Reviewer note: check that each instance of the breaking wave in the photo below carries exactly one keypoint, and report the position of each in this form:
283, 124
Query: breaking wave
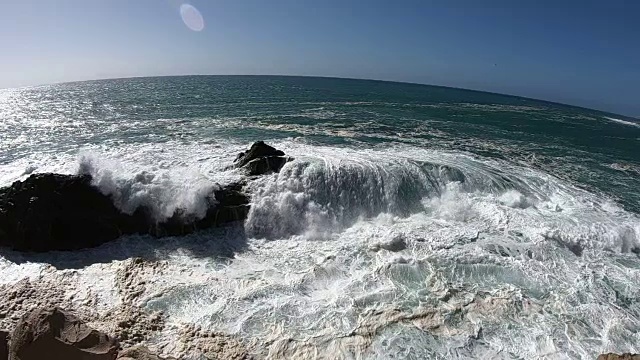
425, 254
623, 122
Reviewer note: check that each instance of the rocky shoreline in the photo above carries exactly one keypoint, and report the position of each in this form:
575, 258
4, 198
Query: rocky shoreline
54, 333
54, 212
49, 211
38, 315
48, 320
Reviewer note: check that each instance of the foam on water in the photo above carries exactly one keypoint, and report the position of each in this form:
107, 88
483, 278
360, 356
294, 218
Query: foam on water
418, 226
500, 260
331, 190
497, 257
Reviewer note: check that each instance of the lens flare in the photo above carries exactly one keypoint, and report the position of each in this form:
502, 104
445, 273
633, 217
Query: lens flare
191, 17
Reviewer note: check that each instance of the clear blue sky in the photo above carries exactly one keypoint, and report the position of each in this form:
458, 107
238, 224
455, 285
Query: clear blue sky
579, 52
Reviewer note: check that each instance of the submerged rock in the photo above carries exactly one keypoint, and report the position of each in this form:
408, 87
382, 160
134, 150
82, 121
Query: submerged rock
398, 243
66, 212
261, 159
48, 332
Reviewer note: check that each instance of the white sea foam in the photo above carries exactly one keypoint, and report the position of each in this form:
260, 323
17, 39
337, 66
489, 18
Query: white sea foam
501, 261
161, 190
509, 261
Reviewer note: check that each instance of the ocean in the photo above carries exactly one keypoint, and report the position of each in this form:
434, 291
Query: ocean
519, 219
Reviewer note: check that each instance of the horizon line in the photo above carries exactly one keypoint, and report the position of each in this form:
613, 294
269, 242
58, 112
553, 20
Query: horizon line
636, 118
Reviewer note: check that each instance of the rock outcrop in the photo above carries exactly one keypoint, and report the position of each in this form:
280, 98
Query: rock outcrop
24, 296
261, 159
48, 333
230, 204
66, 212
4, 345
56, 212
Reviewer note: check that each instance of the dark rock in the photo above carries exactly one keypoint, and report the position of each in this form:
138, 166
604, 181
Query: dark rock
48, 332
612, 356
261, 159
4, 346
139, 353
239, 156
65, 212
266, 165
61, 212
230, 205
258, 150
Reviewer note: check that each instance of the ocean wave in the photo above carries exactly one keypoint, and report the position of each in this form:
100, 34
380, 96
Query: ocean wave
623, 122
323, 194
495, 254
160, 192
318, 195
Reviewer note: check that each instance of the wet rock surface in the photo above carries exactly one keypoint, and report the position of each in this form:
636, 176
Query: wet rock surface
261, 159
49, 212
52, 211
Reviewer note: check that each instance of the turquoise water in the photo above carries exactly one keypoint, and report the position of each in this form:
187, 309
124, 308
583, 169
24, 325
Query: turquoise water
521, 217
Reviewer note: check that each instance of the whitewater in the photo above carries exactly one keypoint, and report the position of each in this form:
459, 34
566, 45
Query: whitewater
421, 223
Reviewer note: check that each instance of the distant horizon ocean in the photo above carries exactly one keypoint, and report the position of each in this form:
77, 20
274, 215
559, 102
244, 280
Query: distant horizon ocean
592, 108
520, 218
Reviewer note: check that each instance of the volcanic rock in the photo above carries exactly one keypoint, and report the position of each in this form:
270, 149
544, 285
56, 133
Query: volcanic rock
56, 212
49, 212
261, 159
